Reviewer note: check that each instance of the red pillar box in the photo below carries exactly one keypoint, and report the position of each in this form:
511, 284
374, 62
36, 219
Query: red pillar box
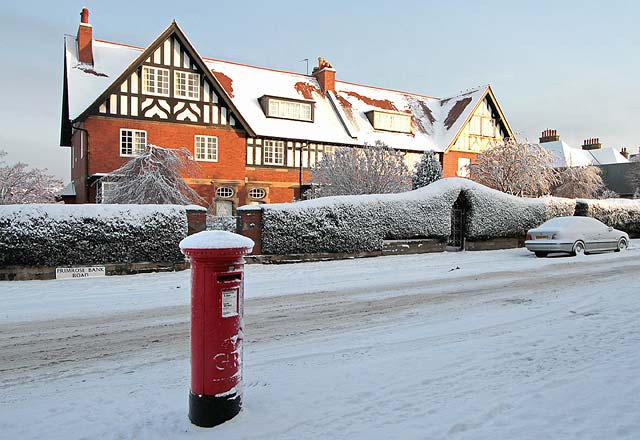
217, 293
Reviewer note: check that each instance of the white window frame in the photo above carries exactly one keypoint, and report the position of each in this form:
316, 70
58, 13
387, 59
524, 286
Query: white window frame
391, 122
136, 147
221, 190
463, 167
285, 109
273, 152
104, 189
147, 72
252, 193
184, 92
205, 148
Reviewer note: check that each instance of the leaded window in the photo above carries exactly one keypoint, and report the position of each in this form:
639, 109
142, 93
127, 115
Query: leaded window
132, 142
187, 85
273, 152
206, 148
155, 81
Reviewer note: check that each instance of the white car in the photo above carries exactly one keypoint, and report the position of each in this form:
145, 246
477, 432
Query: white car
576, 236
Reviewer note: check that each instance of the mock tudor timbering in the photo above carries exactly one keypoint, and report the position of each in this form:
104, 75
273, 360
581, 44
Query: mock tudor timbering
255, 132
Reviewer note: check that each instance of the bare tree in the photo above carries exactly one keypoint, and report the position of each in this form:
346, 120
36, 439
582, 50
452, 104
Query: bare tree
372, 169
579, 182
517, 168
153, 177
19, 184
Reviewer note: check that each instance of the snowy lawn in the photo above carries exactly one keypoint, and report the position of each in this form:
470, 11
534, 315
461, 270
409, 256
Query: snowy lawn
471, 345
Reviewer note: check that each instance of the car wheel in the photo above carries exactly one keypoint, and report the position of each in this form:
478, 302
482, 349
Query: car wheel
541, 254
578, 249
622, 245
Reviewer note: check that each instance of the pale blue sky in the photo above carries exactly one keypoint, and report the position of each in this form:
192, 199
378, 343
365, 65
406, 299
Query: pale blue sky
570, 65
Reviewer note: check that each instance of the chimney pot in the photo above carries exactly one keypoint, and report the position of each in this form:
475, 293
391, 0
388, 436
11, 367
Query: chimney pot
84, 16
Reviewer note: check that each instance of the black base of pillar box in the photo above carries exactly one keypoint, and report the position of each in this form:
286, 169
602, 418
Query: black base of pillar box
208, 411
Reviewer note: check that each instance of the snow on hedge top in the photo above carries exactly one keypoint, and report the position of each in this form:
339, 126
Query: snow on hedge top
435, 189
361, 223
216, 240
132, 214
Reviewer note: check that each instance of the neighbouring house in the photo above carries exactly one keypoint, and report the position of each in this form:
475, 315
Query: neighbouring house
254, 131
591, 152
614, 164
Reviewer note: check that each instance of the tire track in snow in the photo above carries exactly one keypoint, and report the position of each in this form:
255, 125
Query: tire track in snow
45, 350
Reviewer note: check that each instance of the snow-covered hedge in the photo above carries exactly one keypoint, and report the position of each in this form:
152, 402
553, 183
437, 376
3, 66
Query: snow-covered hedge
361, 223
55, 235
217, 223
623, 214
494, 214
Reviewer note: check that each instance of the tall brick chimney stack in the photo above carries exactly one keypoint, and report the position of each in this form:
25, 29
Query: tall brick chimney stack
549, 136
591, 144
85, 38
325, 74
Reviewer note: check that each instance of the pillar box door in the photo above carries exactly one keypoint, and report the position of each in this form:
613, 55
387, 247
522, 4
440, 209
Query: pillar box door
217, 302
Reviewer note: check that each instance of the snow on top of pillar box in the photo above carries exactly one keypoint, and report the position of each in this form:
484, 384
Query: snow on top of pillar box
216, 240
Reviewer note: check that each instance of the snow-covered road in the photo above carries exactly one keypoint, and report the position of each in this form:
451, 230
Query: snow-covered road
455, 345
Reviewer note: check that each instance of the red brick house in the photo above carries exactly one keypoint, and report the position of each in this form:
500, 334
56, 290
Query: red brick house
254, 131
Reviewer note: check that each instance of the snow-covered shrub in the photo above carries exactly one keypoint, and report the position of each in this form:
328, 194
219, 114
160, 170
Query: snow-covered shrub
55, 235
218, 223
623, 214
360, 223
494, 214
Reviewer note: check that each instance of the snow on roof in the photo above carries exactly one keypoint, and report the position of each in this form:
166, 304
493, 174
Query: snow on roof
567, 156
69, 190
86, 82
245, 85
607, 155
339, 117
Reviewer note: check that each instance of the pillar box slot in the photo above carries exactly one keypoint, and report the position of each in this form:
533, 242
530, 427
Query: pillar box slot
217, 297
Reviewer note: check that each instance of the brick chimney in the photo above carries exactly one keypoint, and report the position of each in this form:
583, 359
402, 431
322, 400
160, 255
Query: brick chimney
624, 152
85, 38
325, 74
591, 144
549, 136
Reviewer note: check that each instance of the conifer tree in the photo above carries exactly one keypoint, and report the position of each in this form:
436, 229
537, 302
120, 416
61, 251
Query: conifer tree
427, 171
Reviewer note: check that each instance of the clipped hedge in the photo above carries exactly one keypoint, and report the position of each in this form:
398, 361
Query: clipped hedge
493, 214
58, 235
621, 214
349, 224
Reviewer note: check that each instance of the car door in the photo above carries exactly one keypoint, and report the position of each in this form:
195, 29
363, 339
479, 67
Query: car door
592, 235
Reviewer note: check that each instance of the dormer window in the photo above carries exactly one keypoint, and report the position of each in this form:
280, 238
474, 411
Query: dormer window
387, 121
284, 108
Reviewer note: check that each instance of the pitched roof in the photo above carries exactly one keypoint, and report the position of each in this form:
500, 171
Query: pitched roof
567, 156
87, 82
339, 117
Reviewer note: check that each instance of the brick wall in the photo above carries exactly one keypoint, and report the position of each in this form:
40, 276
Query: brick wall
450, 162
104, 157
